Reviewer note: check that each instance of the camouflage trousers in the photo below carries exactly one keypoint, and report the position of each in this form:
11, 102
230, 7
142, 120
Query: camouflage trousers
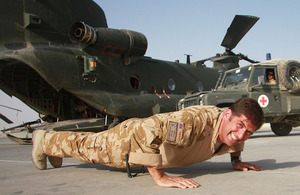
106, 148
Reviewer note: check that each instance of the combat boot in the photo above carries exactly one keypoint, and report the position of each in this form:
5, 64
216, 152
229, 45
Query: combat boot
39, 158
56, 162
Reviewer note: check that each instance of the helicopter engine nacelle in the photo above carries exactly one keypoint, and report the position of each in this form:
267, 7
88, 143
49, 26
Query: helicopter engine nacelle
127, 44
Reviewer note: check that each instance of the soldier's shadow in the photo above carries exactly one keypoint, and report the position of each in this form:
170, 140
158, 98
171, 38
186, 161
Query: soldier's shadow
200, 169
212, 168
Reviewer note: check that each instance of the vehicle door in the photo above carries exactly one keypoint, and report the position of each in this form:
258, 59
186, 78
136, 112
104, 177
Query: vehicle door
265, 92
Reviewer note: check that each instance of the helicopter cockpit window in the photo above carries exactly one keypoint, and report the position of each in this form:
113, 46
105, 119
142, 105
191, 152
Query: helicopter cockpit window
134, 81
171, 84
238, 76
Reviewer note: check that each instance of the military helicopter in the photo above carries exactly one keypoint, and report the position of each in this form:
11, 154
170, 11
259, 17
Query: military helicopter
67, 64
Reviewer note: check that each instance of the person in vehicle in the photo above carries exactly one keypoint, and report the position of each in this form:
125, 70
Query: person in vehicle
270, 77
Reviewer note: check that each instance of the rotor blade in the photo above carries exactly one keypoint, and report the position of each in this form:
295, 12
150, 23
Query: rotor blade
11, 108
5, 119
237, 30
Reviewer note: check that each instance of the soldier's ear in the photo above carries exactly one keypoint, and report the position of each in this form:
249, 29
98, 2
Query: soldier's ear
227, 114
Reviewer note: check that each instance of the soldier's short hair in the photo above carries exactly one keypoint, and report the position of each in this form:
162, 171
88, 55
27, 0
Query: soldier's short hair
250, 109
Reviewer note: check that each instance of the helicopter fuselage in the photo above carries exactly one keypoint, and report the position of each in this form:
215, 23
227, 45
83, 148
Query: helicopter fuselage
108, 74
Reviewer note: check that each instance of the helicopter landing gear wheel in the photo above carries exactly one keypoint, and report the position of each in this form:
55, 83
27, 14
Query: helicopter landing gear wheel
281, 129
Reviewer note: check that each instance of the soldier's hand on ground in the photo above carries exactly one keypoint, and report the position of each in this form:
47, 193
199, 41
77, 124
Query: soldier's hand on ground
180, 182
246, 166
163, 180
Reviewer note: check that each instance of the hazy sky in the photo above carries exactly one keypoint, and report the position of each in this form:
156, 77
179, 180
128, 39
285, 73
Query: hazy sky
196, 27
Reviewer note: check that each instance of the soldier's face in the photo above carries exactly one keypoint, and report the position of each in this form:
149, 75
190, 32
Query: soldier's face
234, 129
271, 76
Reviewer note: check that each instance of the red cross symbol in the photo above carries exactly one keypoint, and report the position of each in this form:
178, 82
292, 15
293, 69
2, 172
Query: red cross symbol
263, 101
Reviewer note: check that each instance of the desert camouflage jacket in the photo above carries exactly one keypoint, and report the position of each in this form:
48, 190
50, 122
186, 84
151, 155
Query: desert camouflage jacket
177, 138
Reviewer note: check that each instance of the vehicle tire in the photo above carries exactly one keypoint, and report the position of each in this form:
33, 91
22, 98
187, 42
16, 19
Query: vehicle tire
281, 129
289, 74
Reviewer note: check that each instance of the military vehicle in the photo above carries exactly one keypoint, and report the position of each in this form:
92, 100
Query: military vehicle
67, 64
279, 99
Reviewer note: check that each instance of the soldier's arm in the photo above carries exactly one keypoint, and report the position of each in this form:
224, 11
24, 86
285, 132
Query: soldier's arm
239, 165
163, 180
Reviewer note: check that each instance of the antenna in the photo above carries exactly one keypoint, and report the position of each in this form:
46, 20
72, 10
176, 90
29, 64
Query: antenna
188, 58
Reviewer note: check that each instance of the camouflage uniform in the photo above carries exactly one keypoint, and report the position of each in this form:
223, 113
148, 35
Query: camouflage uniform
163, 140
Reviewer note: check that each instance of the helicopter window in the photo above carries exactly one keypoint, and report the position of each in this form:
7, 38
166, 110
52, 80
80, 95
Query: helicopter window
171, 84
200, 86
134, 81
238, 76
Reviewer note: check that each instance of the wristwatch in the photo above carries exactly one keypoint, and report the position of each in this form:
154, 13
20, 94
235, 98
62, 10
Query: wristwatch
235, 159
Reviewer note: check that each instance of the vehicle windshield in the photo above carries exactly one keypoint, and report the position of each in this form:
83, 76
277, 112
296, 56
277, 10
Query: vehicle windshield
238, 76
